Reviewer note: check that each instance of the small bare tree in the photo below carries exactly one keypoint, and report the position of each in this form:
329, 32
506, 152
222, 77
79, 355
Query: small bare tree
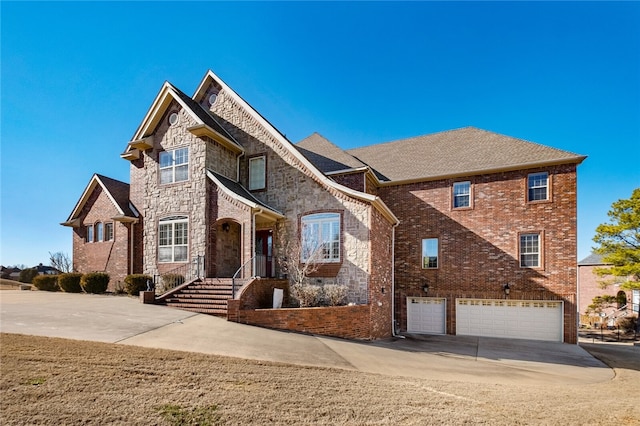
298, 258
61, 261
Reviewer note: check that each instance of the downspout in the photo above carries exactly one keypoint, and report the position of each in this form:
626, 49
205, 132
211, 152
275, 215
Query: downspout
238, 166
133, 224
393, 282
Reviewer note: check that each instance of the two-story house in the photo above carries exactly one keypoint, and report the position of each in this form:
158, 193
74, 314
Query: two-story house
460, 232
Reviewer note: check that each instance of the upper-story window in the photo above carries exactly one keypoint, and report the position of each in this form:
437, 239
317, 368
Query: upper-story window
257, 173
99, 231
461, 195
530, 251
321, 237
538, 186
108, 231
430, 253
89, 233
174, 165
173, 239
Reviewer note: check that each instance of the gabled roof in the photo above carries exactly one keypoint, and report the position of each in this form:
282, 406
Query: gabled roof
326, 156
306, 165
240, 193
118, 193
459, 152
206, 123
592, 259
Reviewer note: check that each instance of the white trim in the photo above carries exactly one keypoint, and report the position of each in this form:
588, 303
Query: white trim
243, 200
95, 180
374, 200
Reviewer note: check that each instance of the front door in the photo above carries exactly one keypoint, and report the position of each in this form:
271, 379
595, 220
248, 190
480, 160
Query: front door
264, 254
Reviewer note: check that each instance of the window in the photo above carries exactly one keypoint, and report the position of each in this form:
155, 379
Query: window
174, 165
257, 173
321, 237
173, 234
430, 253
538, 186
461, 194
90, 233
99, 231
530, 250
108, 231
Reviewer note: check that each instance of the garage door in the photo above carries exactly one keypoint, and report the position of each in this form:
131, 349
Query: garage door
426, 315
519, 319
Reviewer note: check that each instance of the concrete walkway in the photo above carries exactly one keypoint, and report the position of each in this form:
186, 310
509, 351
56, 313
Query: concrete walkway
125, 320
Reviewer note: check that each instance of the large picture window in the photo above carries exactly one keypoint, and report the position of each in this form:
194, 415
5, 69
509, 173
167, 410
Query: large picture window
530, 250
174, 165
173, 239
321, 237
538, 186
257, 173
430, 254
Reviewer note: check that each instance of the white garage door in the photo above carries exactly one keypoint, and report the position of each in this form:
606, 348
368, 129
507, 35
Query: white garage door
519, 319
426, 315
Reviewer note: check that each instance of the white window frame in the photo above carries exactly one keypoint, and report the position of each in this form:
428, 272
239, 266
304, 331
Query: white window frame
108, 231
99, 232
428, 251
461, 195
530, 249
257, 173
90, 233
173, 239
321, 237
535, 185
174, 165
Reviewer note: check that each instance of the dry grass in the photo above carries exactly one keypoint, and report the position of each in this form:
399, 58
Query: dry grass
6, 284
58, 381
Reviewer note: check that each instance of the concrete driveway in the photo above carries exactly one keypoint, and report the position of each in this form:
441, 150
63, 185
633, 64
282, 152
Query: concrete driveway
124, 320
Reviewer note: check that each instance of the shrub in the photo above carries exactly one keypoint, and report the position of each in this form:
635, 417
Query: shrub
135, 283
170, 281
118, 288
70, 282
95, 282
27, 275
46, 282
307, 294
335, 295
627, 323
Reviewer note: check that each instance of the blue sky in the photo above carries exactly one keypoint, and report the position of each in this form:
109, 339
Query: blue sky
77, 78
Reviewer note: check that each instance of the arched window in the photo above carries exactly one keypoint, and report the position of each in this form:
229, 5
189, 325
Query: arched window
99, 231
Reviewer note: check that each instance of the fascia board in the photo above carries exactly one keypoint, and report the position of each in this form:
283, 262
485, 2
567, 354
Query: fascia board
243, 200
301, 158
95, 181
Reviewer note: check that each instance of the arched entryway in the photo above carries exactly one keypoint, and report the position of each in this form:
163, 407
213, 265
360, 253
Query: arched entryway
621, 299
228, 248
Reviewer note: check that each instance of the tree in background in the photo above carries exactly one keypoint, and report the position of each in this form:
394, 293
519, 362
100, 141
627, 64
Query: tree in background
60, 261
619, 241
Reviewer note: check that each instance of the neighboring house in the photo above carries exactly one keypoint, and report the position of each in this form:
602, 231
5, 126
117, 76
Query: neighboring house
46, 270
11, 273
104, 230
591, 285
461, 232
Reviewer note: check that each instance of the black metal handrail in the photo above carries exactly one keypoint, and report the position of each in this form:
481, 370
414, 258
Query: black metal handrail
180, 275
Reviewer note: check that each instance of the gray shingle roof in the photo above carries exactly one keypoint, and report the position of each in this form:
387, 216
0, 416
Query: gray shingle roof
592, 259
240, 190
464, 151
325, 155
120, 193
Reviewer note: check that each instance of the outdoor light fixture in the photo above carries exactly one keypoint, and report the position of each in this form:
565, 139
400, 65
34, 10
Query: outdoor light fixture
225, 227
425, 288
506, 289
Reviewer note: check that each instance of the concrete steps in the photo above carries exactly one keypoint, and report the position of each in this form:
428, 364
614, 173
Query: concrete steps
207, 297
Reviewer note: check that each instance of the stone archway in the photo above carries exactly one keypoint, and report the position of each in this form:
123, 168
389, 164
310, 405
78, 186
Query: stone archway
621, 299
228, 248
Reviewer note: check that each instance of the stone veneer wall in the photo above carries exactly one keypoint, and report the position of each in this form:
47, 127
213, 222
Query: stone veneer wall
294, 191
479, 246
111, 257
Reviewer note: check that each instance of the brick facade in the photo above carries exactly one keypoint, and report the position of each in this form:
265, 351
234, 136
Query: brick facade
112, 257
479, 245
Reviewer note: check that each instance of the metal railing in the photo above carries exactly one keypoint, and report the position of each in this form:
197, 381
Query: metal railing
182, 274
240, 274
